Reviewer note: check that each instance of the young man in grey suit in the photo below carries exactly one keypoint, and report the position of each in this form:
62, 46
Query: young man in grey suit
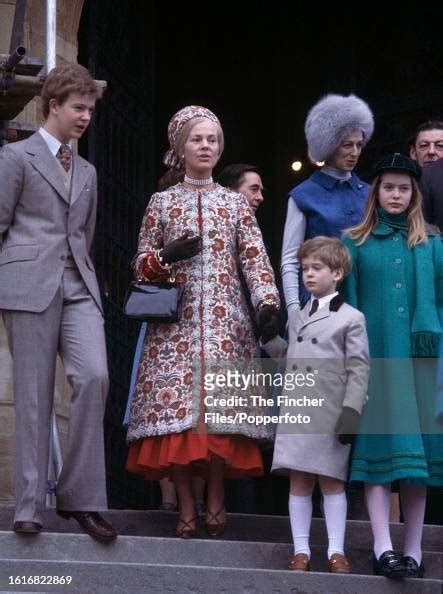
50, 303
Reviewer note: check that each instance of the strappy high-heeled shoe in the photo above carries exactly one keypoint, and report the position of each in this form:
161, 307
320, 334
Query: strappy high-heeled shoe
187, 529
215, 528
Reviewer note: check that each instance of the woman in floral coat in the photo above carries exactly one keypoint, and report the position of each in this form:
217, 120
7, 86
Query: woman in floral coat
199, 233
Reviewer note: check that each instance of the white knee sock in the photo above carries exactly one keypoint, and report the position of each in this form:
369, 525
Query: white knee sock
300, 514
413, 499
378, 501
335, 508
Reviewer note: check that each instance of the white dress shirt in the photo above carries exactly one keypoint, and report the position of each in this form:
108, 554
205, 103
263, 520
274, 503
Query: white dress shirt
53, 143
322, 301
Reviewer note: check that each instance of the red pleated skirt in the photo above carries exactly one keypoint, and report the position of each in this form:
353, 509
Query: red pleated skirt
152, 457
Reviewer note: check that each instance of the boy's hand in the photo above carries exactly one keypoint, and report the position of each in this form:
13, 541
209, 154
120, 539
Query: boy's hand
347, 425
268, 322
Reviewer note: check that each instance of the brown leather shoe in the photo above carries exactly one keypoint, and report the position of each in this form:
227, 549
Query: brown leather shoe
92, 523
339, 564
27, 527
300, 562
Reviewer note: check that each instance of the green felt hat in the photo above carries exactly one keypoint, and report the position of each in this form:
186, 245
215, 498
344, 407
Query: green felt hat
397, 162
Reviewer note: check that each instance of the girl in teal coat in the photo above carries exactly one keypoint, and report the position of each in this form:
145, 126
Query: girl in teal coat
397, 282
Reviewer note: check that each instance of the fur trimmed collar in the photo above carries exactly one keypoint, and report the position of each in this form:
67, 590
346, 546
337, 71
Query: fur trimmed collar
334, 304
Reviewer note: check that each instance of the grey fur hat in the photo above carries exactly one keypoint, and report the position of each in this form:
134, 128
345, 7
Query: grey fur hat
332, 119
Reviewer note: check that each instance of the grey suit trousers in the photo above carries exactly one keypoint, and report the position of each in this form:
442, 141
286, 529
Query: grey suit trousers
73, 326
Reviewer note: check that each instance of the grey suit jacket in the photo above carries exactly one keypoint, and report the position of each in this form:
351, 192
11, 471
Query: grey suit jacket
39, 224
334, 342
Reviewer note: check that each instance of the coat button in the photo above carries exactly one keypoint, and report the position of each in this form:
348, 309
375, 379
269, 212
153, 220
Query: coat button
62, 257
400, 309
397, 260
398, 285
308, 368
395, 238
299, 339
314, 341
294, 367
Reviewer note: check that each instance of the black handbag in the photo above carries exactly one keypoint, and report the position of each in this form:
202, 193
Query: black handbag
154, 302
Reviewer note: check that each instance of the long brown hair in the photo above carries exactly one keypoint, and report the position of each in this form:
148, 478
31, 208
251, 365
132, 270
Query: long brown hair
414, 216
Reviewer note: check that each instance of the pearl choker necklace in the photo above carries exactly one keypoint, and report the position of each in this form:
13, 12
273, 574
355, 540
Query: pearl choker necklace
198, 182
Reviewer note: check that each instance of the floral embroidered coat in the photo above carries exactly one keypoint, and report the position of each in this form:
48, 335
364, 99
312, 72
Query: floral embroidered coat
215, 324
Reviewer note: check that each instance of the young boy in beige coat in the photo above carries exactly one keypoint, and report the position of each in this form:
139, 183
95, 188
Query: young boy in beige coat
327, 369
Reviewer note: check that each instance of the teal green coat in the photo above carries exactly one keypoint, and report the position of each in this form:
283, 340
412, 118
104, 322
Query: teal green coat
400, 409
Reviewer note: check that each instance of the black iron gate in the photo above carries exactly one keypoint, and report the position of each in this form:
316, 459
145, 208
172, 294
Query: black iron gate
115, 43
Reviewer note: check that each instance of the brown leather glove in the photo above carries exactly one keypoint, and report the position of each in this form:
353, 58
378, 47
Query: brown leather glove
181, 249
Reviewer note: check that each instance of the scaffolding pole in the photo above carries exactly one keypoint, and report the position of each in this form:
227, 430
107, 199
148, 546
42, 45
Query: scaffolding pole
55, 453
51, 34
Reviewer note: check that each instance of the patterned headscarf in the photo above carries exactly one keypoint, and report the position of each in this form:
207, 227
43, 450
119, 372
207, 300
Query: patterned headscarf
171, 159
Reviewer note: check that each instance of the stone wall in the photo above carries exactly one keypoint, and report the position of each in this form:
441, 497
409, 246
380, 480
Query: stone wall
6, 18
68, 18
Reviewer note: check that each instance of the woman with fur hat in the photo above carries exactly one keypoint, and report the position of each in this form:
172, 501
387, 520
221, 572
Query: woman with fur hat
397, 282
332, 199
201, 234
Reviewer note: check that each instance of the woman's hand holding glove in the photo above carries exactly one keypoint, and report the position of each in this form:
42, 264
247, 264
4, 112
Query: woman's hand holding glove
347, 425
181, 249
268, 322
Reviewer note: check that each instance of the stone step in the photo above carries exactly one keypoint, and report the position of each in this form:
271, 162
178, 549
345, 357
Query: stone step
197, 552
240, 527
253, 549
136, 578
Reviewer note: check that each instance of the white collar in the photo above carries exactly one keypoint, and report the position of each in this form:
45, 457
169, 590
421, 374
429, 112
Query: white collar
322, 301
53, 143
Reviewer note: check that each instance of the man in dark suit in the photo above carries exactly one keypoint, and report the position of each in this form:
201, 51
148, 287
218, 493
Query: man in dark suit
245, 179
426, 144
431, 185
426, 148
50, 303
